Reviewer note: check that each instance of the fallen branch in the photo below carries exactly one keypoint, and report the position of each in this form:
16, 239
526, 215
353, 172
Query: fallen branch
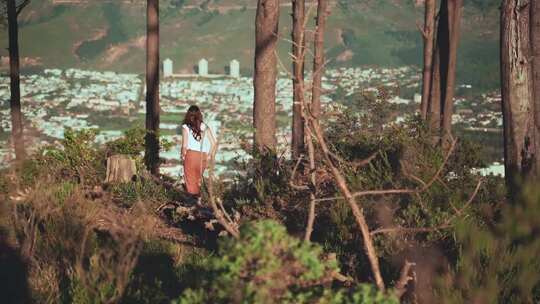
221, 215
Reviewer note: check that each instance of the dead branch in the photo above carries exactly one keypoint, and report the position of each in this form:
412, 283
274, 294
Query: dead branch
219, 212
357, 163
114, 221
312, 195
425, 186
351, 200
404, 279
293, 174
447, 224
21, 6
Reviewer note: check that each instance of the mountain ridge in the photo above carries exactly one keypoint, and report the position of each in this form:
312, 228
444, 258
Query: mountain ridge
361, 32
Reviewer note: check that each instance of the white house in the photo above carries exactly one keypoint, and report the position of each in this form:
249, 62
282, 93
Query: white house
203, 67
234, 68
167, 68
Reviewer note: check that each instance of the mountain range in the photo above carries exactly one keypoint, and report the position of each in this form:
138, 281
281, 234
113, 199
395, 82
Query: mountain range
110, 35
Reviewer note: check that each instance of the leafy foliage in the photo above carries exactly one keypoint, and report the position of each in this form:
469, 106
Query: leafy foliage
77, 158
498, 261
266, 265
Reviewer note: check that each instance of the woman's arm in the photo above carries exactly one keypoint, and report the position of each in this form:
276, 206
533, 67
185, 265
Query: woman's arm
185, 135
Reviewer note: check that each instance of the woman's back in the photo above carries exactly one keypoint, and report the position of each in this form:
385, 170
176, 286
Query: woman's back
202, 145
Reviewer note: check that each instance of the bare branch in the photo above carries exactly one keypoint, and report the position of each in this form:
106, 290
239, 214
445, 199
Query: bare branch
421, 29
445, 225
357, 163
21, 6
291, 181
351, 200
219, 212
404, 279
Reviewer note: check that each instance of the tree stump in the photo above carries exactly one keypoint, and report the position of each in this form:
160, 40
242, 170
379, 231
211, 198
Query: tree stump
120, 169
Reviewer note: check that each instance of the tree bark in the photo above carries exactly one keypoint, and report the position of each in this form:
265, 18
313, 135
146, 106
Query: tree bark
429, 38
152, 87
516, 91
535, 48
120, 169
319, 58
15, 82
434, 103
264, 79
454, 24
298, 51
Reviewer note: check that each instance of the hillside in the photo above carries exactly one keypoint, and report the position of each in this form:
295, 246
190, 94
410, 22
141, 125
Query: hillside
109, 35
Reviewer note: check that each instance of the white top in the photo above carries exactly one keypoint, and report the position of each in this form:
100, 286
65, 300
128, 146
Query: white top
194, 144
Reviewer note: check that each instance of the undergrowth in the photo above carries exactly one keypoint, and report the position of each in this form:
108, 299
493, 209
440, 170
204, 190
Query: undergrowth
77, 241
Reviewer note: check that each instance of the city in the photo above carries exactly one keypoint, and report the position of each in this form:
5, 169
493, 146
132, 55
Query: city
113, 102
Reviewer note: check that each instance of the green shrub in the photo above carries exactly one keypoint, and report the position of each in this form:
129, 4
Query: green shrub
144, 190
498, 261
77, 158
132, 143
266, 265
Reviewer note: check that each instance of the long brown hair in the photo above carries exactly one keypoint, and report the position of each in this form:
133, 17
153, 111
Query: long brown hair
193, 120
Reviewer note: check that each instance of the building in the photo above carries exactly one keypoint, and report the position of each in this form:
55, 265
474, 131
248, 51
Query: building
417, 98
167, 68
234, 69
203, 67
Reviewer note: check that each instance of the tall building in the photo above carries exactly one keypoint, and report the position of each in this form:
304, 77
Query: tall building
167, 68
234, 68
203, 67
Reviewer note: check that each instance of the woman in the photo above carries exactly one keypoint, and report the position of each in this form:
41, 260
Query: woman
198, 144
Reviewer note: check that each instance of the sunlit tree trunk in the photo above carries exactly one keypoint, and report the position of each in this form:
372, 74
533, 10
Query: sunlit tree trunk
319, 58
434, 103
152, 87
454, 25
517, 94
429, 38
15, 86
298, 51
535, 48
442, 78
264, 79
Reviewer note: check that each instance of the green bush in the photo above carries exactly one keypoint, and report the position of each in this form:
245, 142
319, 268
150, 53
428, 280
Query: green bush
77, 158
266, 265
132, 143
143, 190
498, 261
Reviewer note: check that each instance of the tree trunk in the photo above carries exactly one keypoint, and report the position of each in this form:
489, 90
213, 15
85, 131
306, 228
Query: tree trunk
535, 48
15, 84
298, 51
454, 22
264, 79
319, 58
443, 49
152, 87
434, 103
516, 91
120, 169
429, 38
